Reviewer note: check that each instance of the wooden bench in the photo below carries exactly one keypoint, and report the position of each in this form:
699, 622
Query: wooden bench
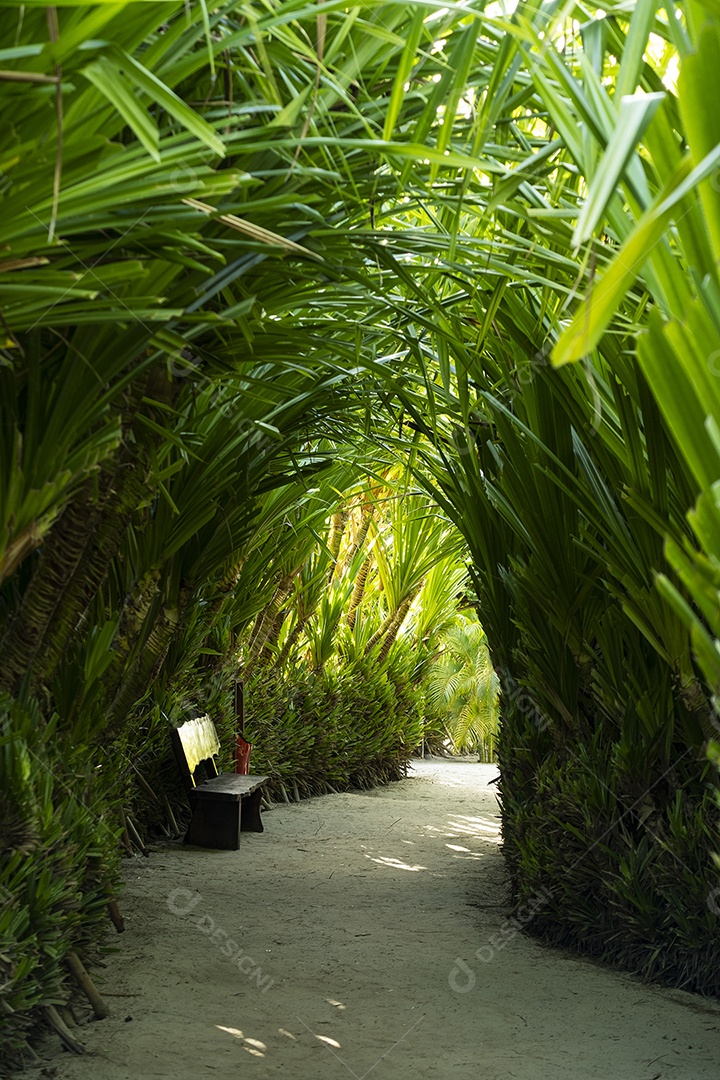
223, 804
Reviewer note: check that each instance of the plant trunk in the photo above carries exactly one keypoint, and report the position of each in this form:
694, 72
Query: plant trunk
291, 639
394, 628
134, 613
270, 620
367, 520
59, 558
127, 487
380, 633
358, 592
337, 529
77, 552
145, 669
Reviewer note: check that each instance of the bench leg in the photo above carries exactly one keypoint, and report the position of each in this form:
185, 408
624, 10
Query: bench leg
250, 820
215, 825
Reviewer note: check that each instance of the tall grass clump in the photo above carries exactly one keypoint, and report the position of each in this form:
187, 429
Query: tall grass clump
59, 833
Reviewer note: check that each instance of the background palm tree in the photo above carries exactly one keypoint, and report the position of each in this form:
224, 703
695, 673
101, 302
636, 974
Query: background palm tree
463, 690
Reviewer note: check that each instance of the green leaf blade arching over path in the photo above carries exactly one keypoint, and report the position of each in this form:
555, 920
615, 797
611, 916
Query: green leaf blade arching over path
106, 77
699, 82
635, 115
278, 403
596, 311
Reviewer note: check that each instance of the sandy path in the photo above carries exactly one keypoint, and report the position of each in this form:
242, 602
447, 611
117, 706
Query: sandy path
349, 914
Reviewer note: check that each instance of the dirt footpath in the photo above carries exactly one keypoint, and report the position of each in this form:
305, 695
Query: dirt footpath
367, 935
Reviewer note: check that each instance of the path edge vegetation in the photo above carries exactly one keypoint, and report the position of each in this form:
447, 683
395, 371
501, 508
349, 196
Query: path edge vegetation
250, 254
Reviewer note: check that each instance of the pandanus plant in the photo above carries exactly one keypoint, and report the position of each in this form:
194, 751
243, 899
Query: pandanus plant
570, 486
463, 690
308, 217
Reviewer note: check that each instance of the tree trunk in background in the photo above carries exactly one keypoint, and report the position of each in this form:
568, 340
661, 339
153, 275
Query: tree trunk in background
367, 520
291, 639
394, 627
270, 620
337, 529
358, 592
380, 633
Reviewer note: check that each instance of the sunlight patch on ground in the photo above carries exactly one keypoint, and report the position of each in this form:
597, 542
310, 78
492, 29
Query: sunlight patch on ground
462, 825
476, 826
396, 864
253, 1046
328, 1041
467, 853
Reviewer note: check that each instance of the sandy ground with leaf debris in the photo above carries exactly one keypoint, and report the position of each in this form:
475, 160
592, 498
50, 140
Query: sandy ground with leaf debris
366, 934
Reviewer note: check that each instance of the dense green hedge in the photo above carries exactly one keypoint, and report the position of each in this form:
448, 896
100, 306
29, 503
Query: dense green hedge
61, 811
622, 861
349, 726
346, 727
58, 865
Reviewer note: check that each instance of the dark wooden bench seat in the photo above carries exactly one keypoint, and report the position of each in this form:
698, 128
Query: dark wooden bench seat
228, 786
223, 804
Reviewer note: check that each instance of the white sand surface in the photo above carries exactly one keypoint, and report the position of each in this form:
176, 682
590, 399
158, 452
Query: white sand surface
372, 932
